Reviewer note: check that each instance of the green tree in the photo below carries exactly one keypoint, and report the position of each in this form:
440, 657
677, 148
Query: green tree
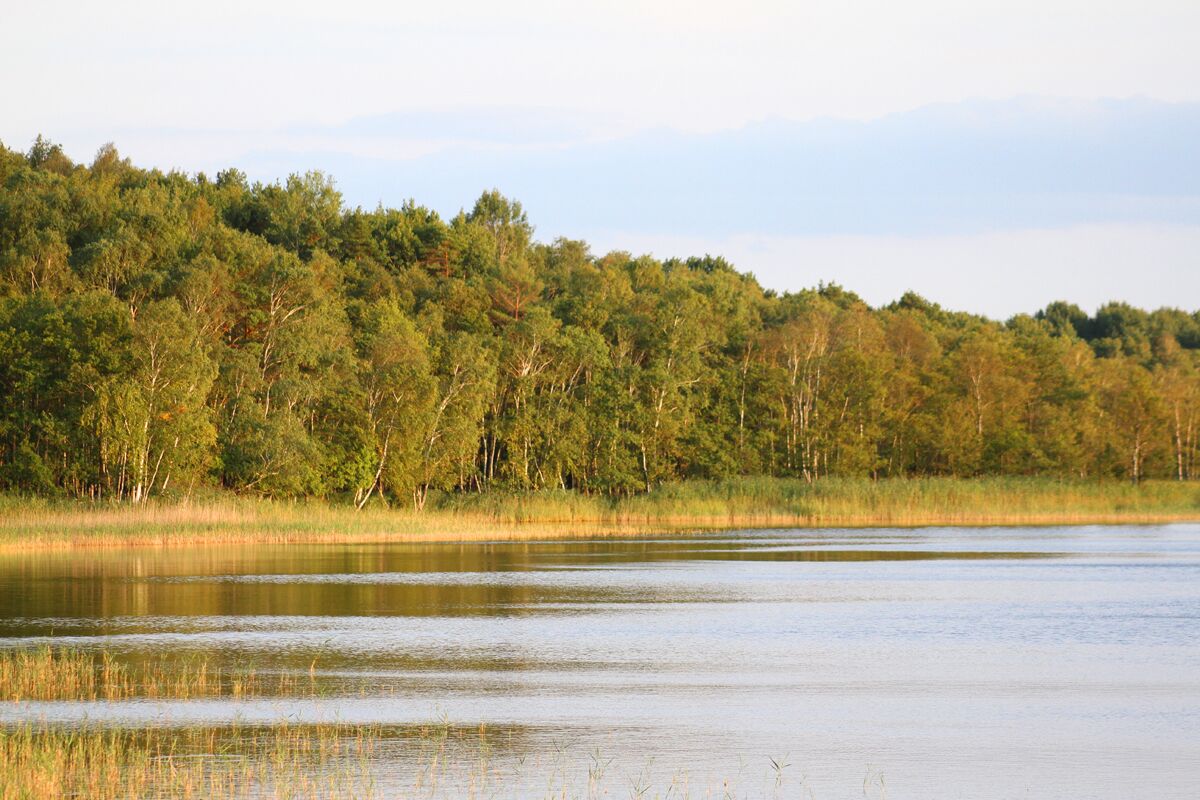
152, 424
399, 392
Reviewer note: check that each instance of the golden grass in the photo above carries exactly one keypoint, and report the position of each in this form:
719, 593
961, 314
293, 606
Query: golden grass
281, 761
287, 761
48, 673
284, 761
328, 761
687, 506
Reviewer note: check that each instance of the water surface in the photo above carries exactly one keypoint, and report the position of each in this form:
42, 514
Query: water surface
972, 663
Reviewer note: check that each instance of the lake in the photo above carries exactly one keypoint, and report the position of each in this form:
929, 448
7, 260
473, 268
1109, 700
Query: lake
925, 663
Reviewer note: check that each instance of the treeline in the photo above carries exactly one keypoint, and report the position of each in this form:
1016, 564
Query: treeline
160, 332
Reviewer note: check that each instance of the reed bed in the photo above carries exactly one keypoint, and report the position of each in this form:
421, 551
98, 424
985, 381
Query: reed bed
281, 762
49, 673
749, 502
286, 760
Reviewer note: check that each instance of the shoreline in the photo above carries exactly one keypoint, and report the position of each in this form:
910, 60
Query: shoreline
37, 524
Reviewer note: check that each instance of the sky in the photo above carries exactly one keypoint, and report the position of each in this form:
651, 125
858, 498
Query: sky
992, 156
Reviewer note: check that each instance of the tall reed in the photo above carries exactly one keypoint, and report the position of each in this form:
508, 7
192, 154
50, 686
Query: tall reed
284, 761
741, 502
49, 673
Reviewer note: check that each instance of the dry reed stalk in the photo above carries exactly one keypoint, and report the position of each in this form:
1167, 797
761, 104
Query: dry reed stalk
48, 673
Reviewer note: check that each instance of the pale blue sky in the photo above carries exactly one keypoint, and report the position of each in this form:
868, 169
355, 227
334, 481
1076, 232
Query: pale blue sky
993, 156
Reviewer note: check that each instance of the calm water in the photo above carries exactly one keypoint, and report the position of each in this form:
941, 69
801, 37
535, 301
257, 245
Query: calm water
974, 663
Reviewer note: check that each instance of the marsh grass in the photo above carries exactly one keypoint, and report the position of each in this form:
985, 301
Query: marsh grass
323, 762
287, 760
49, 673
497, 515
283, 761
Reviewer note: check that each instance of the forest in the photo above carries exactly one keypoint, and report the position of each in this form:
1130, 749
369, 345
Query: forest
166, 332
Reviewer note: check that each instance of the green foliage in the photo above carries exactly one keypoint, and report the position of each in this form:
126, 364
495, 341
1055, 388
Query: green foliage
27, 472
162, 333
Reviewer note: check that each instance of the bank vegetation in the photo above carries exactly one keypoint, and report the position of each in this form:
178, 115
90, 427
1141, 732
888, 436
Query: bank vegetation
164, 334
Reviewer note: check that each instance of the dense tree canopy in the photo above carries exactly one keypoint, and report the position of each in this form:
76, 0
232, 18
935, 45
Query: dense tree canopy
160, 332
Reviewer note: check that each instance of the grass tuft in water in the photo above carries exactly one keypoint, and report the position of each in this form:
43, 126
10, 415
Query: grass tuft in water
49, 673
284, 761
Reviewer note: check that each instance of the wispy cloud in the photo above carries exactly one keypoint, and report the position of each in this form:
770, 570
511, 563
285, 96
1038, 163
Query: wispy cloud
992, 206
511, 126
999, 273
951, 168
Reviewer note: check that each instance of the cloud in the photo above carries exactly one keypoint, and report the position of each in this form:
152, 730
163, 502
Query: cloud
992, 206
695, 65
501, 125
999, 273
951, 168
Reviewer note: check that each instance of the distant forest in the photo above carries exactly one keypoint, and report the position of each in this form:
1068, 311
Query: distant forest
161, 332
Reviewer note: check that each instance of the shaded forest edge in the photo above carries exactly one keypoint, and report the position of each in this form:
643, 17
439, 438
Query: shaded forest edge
227, 518
164, 336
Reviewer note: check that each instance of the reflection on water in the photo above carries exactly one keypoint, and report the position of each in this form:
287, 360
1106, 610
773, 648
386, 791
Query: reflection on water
1031, 662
